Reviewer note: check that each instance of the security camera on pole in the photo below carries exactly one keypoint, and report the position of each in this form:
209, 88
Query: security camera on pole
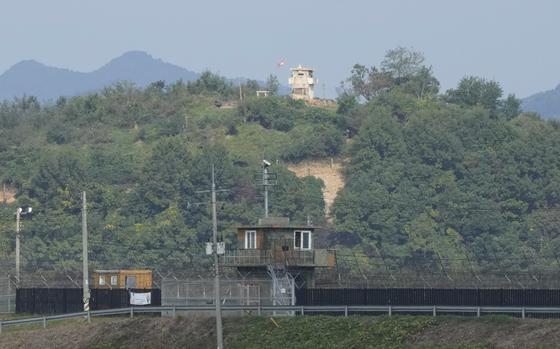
19, 212
267, 180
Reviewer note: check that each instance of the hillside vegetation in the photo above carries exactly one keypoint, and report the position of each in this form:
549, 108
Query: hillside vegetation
311, 332
430, 175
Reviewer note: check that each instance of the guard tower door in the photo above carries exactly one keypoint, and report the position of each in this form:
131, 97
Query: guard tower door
281, 249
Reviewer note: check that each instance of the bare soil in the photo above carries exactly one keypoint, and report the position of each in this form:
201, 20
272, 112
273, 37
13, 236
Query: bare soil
330, 172
8, 196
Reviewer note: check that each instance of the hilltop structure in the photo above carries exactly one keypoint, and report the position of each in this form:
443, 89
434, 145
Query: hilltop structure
302, 83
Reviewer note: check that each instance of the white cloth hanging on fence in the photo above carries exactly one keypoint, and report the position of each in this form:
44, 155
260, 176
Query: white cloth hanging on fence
140, 298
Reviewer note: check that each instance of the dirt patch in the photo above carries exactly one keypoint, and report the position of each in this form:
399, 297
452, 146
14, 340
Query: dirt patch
501, 333
330, 171
7, 195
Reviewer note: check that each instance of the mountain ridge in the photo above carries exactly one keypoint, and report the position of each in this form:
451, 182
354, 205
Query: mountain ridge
546, 103
30, 77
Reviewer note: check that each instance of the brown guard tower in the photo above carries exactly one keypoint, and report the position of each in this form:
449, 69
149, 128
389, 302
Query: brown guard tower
282, 251
274, 242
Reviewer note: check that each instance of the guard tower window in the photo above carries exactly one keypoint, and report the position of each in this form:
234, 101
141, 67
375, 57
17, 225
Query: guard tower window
250, 239
113, 280
101, 280
302, 240
130, 281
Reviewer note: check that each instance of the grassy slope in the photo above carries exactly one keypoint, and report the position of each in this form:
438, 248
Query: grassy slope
297, 332
330, 332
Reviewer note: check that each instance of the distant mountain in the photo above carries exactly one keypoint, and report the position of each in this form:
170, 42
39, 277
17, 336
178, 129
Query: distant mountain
547, 103
48, 83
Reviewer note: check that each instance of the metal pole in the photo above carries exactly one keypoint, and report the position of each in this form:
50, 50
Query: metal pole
18, 213
217, 294
265, 184
9, 294
85, 284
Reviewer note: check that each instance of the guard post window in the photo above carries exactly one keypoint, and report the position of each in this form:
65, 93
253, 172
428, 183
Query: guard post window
302, 240
250, 239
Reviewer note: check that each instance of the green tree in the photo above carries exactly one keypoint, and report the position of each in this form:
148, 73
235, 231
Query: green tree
473, 91
369, 82
511, 107
272, 85
402, 63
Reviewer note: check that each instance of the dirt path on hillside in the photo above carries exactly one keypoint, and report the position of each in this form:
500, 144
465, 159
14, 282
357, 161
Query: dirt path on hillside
328, 171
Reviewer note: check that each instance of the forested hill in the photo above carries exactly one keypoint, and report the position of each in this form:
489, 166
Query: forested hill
455, 175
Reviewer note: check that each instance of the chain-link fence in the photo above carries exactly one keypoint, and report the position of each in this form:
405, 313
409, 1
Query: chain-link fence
352, 270
7, 296
255, 292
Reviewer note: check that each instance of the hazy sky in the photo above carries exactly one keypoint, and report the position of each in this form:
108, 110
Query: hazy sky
513, 42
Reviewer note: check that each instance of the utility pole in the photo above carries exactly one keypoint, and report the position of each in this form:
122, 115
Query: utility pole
217, 295
216, 252
265, 184
18, 214
85, 284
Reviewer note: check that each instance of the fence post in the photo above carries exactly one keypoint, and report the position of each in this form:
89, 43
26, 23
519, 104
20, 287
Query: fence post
523, 312
345, 311
390, 311
9, 293
259, 311
434, 311
174, 312
301, 309
89, 317
477, 311
131, 312
44, 322
0, 327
